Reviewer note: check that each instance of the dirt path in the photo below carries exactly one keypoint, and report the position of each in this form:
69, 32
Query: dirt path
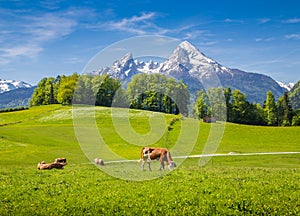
230, 154
237, 154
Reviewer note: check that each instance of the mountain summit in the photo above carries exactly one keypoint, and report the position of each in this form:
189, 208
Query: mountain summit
198, 71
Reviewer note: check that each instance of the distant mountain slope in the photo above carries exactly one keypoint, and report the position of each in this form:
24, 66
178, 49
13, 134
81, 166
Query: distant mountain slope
8, 85
254, 85
295, 95
198, 71
16, 98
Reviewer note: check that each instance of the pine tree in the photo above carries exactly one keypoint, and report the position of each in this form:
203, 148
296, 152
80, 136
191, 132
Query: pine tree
287, 110
200, 108
270, 109
239, 105
228, 98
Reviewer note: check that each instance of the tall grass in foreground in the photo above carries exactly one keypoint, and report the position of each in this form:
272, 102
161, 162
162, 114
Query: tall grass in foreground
189, 190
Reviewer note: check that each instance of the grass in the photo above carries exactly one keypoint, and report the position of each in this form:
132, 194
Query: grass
214, 189
237, 185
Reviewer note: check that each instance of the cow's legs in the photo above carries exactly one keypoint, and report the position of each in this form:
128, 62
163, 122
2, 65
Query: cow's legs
143, 163
148, 162
162, 164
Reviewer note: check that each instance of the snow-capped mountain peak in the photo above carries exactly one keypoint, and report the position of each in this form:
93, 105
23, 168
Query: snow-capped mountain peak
126, 67
123, 62
8, 85
188, 59
192, 52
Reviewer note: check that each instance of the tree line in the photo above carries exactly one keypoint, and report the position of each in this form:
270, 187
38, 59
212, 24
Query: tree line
156, 92
232, 106
152, 92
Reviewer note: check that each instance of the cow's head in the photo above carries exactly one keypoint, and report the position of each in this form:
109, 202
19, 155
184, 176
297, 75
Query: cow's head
147, 150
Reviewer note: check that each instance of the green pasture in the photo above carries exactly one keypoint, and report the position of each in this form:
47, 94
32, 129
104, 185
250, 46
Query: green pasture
229, 185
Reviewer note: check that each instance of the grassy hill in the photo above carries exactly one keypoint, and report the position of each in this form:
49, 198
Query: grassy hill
264, 184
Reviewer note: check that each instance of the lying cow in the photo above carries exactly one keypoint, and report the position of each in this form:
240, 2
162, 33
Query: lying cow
43, 166
162, 154
58, 163
61, 160
99, 161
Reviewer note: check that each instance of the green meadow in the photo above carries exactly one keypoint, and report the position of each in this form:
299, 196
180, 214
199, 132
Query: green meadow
225, 185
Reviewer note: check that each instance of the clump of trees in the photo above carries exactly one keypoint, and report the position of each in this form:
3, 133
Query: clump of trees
84, 89
233, 106
152, 92
156, 92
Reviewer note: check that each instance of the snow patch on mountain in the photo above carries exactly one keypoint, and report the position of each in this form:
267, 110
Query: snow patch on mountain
8, 85
287, 86
126, 67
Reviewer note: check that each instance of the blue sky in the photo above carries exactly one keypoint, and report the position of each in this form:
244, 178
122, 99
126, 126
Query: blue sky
47, 38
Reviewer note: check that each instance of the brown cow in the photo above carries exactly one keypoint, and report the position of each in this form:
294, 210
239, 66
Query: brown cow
58, 163
162, 154
61, 160
43, 166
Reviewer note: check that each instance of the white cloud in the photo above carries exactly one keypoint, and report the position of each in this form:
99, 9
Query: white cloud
25, 35
208, 43
135, 24
292, 36
228, 20
3, 60
264, 20
145, 24
264, 39
195, 34
28, 50
49, 27
292, 21
141, 25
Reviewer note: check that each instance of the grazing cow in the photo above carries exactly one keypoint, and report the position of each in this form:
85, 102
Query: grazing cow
43, 166
162, 154
99, 161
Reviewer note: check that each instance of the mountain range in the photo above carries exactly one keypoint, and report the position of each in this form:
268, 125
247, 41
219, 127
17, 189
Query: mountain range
14, 93
198, 71
16, 98
8, 85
